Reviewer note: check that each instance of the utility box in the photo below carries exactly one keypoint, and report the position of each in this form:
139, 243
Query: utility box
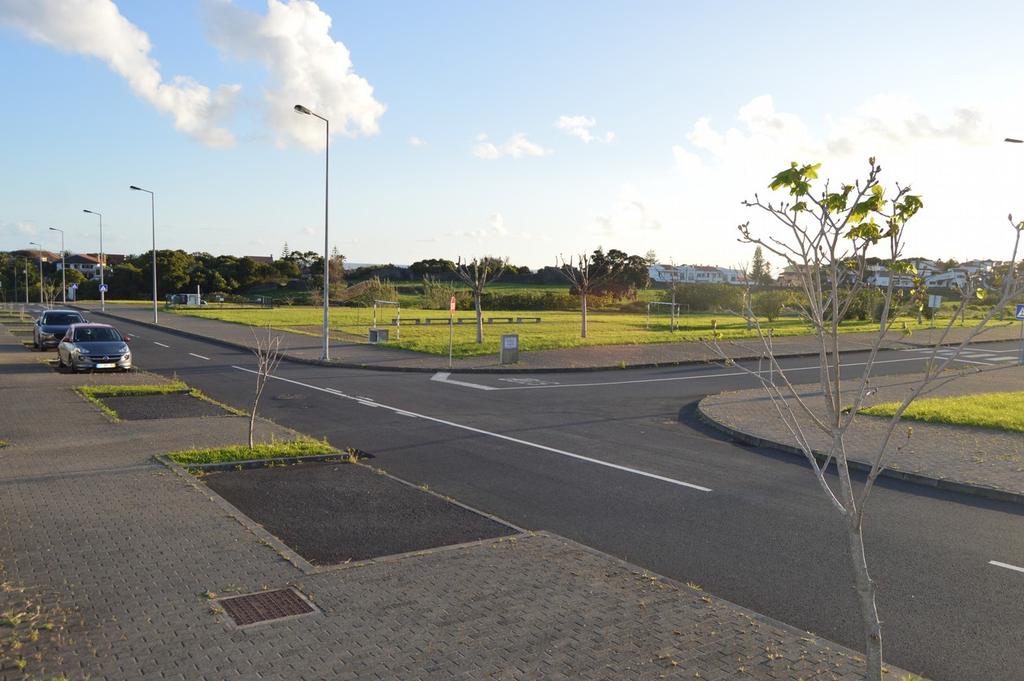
510, 348
378, 335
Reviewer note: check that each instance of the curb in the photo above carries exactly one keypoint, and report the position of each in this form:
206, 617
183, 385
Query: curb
466, 370
966, 488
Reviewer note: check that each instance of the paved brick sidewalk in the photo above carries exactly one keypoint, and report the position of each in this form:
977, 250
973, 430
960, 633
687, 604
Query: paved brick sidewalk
126, 549
975, 460
351, 353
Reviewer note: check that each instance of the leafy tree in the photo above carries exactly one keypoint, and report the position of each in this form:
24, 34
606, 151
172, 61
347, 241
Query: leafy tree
823, 231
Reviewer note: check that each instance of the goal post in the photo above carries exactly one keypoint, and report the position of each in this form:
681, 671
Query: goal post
673, 310
398, 314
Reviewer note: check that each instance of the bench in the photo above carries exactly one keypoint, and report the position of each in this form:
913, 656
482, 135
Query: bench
506, 320
405, 320
528, 320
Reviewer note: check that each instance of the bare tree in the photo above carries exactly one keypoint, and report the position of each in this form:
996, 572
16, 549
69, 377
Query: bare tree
477, 274
51, 291
268, 355
825, 237
585, 280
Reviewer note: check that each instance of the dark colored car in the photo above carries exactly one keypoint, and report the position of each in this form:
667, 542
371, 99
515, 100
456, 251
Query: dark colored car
94, 346
51, 327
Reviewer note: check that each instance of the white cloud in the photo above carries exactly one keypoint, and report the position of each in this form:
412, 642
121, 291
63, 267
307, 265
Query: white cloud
304, 64
954, 158
581, 128
417, 142
496, 229
96, 28
497, 224
628, 215
26, 227
516, 146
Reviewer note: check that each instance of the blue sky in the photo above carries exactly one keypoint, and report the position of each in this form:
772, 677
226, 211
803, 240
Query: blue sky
703, 100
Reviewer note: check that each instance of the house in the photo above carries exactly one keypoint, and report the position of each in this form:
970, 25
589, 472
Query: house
665, 273
952, 279
881, 277
82, 262
791, 275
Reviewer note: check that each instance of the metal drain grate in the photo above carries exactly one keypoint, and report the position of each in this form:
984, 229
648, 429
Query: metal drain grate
266, 606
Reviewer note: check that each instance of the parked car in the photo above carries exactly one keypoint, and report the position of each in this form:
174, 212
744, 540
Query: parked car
51, 327
94, 346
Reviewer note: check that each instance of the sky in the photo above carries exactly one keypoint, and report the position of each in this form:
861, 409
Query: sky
527, 129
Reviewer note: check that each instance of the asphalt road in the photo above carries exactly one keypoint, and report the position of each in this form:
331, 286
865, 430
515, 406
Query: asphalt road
618, 461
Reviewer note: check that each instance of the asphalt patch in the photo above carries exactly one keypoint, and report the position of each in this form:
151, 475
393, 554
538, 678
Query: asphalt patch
337, 512
161, 406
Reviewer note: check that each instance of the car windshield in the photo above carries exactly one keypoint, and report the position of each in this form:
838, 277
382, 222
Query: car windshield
89, 334
62, 318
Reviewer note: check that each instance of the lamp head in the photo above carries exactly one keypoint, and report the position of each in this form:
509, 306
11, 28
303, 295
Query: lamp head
303, 110
138, 189
1012, 140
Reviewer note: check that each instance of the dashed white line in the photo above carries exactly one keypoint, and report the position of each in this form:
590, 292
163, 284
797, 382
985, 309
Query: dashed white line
1006, 565
161, 344
499, 436
199, 356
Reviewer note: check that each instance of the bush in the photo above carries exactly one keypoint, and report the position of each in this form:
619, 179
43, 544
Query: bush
769, 304
375, 290
437, 295
707, 297
516, 300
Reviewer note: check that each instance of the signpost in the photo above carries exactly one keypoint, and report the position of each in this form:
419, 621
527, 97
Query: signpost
934, 303
1020, 316
451, 329
509, 348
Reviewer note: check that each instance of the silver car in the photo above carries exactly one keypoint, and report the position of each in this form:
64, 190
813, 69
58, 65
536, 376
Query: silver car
52, 326
87, 347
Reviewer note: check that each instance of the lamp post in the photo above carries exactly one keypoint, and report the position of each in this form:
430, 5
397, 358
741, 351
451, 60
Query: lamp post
325, 354
33, 243
63, 269
152, 217
1020, 359
103, 264
26, 282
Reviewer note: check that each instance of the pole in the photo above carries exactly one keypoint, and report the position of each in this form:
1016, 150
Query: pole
103, 266
152, 219
63, 273
1021, 361
327, 186
26, 283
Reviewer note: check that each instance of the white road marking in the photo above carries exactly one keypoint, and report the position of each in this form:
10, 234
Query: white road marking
442, 377
499, 436
199, 356
160, 344
1006, 565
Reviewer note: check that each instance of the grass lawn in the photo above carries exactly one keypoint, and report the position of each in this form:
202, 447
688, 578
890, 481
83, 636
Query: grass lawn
556, 330
268, 450
999, 411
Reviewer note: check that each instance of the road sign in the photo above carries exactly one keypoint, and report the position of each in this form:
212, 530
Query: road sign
74, 287
451, 305
935, 302
103, 288
1020, 311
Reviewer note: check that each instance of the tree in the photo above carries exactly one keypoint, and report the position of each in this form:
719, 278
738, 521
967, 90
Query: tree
285, 251
477, 274
651, 257
268, 356
760, 274
586, 279
625, 273
825, 233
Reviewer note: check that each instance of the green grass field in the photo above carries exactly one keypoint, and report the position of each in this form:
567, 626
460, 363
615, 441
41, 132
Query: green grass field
556, 330
999, 411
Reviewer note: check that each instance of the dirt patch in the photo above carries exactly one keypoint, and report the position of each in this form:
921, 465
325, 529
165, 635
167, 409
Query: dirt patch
161, 406
333, 513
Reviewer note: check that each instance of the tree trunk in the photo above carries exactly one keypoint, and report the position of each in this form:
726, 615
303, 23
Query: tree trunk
479, 319
583, 309
865, 587
252, 416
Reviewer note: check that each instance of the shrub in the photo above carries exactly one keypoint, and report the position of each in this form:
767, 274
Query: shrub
437, 295
707, 297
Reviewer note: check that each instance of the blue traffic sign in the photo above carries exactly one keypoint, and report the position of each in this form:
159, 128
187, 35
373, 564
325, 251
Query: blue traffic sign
1020, 311
103, 288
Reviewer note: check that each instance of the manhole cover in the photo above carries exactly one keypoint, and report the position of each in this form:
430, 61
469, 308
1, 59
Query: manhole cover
266, 606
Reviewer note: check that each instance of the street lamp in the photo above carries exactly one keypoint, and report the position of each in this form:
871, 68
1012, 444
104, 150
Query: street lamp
33, 243
152, 217
326, 354
103, 265
63, 268
1020, 359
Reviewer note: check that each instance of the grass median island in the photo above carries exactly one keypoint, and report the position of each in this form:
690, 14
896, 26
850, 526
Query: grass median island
267, 450
996, 411
557, 329
96, 393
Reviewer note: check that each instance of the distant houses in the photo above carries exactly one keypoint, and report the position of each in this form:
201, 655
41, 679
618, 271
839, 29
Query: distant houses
695, 274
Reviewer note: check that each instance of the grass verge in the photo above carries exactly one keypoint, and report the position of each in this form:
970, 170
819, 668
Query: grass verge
267, 450
96, 393
996, 411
